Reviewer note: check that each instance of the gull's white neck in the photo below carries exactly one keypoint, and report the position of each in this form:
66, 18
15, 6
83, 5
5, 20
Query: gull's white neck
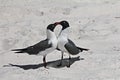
64, 33
63, 39
50, 34
52, 38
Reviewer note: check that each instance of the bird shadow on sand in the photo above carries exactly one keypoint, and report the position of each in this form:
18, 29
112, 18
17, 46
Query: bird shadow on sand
53, 64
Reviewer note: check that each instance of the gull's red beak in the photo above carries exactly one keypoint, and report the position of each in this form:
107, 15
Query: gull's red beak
56, 23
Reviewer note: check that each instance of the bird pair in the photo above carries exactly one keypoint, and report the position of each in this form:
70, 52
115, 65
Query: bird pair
51, 43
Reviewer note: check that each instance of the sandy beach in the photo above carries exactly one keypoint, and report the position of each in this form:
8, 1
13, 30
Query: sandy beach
94, 25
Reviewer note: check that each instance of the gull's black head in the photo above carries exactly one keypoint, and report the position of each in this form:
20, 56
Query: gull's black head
51, 27
64, 24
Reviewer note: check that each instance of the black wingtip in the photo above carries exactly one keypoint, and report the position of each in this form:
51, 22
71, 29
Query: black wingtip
86, 49
83, 49
18, 50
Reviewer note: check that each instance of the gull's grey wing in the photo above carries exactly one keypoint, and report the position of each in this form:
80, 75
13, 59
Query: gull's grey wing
35, 49
41, 46
72, 43
71, 47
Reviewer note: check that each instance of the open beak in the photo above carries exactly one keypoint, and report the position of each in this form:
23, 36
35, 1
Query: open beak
57, 23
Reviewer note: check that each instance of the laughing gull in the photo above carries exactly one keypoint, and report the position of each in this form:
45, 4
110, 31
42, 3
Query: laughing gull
65, 44
43, 47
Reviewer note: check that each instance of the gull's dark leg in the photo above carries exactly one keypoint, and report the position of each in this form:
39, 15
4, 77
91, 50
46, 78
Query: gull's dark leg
44, 61
69, 61
61, 60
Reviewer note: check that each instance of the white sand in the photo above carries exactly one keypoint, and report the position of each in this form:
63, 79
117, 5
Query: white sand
95, 24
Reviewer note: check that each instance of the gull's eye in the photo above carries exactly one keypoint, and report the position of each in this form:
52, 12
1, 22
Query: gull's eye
63, 22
